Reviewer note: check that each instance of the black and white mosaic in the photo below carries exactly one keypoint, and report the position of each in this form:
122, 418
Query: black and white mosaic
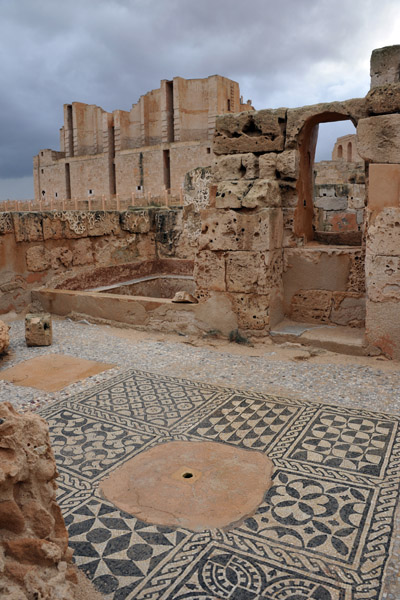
323, 530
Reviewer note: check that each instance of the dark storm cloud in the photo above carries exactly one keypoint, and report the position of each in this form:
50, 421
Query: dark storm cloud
109, 52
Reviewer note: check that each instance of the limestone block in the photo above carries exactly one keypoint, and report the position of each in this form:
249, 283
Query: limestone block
259, 131
4, 337
236, 166
296, 117
252, 310
264, 193
382, 328
135, 221
341, 221
383, 278
287, 164
60, 257
383, 99
289, 194
6, 223
383, 233
233, 230
38, 329
311, 305
209, 270
348, 309
82, 253
379, 138
231, 193
34, 554
329, 203
384, 186
267, 165
253, 271
27, 227
385, 65
54, 228
37, 259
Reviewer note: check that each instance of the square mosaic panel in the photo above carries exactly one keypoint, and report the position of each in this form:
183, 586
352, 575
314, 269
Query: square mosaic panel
322, 531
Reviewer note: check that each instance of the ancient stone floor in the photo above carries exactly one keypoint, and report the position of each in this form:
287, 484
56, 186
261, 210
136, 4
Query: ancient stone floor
327, 528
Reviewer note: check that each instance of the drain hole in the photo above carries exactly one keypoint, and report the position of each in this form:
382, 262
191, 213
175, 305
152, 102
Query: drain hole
187, 475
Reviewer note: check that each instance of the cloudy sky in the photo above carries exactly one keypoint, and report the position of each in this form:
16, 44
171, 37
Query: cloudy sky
110, 52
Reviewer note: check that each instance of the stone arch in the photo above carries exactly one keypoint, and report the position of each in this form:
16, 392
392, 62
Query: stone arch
307, 142
340, 151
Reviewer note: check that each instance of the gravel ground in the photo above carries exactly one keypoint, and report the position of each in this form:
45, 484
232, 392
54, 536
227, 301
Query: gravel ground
312, 375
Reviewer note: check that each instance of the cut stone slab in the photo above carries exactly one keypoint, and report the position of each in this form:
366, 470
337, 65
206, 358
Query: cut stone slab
335, 338
196, 485
38, 329
52, 372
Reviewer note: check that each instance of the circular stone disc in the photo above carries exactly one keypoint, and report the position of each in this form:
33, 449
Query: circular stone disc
196, 485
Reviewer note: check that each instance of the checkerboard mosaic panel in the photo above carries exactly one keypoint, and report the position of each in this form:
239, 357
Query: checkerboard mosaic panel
322, 531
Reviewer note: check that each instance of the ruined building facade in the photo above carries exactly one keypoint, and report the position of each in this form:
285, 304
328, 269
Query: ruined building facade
145, 150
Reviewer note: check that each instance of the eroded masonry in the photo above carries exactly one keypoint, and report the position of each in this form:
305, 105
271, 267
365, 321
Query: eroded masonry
263, 237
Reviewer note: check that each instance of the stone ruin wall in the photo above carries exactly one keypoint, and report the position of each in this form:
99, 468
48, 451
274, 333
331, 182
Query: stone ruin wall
258, 229
35, 561
53, 249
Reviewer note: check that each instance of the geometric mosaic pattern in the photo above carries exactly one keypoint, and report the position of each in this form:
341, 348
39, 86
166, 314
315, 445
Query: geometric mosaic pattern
323, 530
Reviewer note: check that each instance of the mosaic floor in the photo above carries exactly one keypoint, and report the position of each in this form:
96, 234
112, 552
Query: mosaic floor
322, 531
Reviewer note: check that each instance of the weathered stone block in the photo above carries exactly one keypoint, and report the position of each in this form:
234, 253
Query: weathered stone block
287, 164
252, 310
6, 223
379, 138
4, 337
233, 230
231, 193
311, 305
383, 278
383, 99
384, 186
382, 328
267, 165
329, 203
38, 329
236, 166
385, 65
257, 272
135, 221
383, 233
259, 131
37, 259
348, 309
264, 193
27, 227
82, 253
209, 271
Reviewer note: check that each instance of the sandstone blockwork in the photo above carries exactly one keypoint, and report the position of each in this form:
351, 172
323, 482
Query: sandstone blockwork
4, 337
35, 561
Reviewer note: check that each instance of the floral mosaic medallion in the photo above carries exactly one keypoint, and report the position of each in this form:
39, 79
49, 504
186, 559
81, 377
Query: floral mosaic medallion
322, 531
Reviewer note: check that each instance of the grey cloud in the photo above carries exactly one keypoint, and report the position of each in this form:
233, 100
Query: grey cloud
109, 52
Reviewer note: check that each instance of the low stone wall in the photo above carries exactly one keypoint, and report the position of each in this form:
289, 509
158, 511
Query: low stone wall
39, 249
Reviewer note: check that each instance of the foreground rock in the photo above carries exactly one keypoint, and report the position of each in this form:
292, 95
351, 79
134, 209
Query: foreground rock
4, 337
35, 561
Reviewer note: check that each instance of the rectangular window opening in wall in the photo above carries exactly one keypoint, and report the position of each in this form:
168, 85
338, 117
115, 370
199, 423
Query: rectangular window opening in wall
42, 171
139, 188
90, 192
41, 154
167, 170
208, 150
229, 105
56, 195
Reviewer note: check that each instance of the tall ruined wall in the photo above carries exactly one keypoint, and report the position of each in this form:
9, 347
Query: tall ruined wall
48, 247
101, 150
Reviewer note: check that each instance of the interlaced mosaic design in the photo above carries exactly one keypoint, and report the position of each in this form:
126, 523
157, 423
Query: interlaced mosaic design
322, 531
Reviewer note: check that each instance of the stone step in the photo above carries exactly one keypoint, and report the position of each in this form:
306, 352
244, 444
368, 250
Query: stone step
344, 340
